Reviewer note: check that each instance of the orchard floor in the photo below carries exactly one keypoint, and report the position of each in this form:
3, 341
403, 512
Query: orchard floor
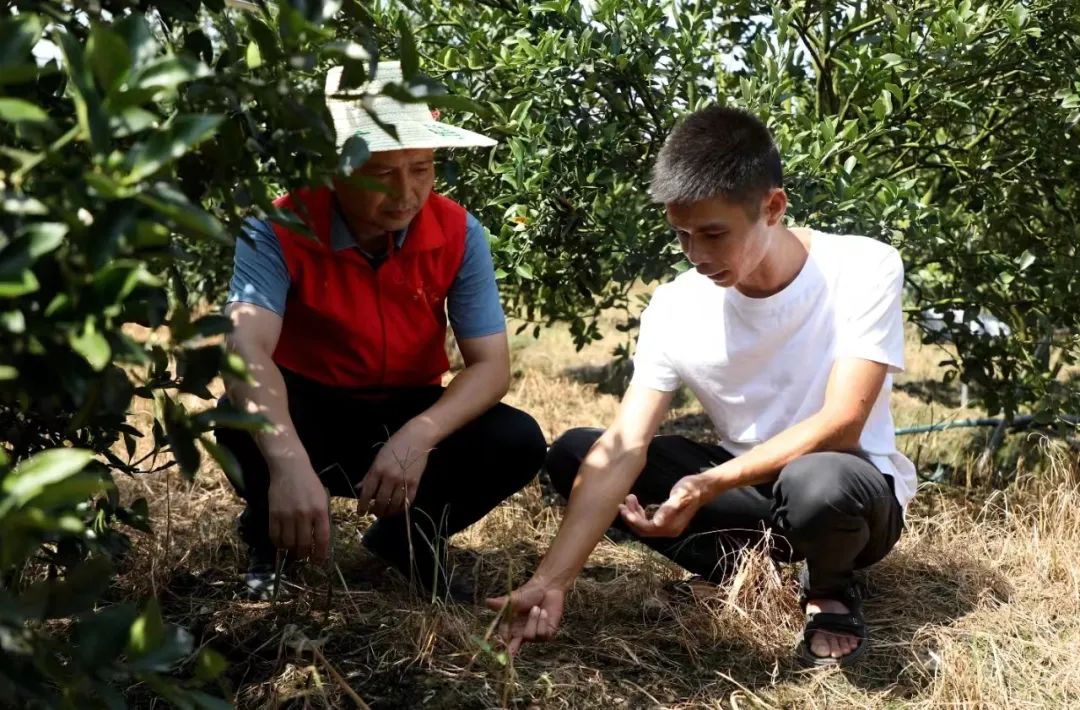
979, 605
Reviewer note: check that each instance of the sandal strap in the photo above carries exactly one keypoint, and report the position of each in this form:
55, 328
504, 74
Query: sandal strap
835, 623
851, 597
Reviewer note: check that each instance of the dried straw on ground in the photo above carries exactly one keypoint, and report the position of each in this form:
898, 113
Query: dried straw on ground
979, 606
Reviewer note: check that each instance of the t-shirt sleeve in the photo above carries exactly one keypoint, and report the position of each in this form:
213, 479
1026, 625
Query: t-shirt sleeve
871, 325
652, 367
473, 299
260, 276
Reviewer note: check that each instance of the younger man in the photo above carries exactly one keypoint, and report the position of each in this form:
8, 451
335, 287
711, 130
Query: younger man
788, 337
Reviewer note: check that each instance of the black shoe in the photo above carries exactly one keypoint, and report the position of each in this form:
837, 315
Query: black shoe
259, 583
260, 580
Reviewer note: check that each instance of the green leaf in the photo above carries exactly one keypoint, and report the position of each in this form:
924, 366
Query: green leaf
228, 416
40, 470
139, 40
19, 111
93, 346
63, 495
169, 73
115, 282
7, 372
253, 56
19, 284
108, 56
21, 205
892, 60
354, 153
408, 54
1026, 260
17, 37
43, 237
101, 636
183, 133
454, 102
132, 120
176, 645
147, 631
76, 592
225, 458
137, 515
209, 665
92, 118
181, 440
524, 271
265, 38
173, 204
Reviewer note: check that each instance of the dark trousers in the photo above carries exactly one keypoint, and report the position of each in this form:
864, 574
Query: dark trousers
468, 473
835, 510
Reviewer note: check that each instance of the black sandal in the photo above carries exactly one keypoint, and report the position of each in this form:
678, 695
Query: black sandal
850, 623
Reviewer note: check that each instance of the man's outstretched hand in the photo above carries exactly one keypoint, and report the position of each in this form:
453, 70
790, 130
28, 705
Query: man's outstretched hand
671, 518
532, 613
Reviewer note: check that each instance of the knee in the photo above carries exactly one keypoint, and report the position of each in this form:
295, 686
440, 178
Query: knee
565, 456
812, 490
523, 442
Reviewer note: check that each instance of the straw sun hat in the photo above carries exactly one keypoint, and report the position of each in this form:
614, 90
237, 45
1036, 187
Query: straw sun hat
416, 126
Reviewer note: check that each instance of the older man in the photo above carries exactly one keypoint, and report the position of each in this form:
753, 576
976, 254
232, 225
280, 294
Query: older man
344, 333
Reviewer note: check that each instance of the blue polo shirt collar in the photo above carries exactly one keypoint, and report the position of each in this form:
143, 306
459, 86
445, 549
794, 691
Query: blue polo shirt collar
341, 237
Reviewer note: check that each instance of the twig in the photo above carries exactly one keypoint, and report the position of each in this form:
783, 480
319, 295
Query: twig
750, 695
339, 680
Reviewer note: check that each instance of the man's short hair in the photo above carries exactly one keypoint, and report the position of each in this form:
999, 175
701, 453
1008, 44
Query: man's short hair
717, 152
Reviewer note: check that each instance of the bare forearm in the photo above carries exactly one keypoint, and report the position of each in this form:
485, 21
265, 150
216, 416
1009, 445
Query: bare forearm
820, 432
267, 396
602, 483
476, 389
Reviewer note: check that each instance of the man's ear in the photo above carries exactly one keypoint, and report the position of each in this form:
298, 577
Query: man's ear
775, 206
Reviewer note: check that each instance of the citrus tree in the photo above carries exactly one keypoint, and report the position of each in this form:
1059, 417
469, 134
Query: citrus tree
134, 138
949, 129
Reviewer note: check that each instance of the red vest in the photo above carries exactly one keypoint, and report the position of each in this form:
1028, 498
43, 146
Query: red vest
348, 324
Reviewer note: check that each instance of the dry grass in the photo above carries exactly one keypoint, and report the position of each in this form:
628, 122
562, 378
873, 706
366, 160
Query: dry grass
979, 606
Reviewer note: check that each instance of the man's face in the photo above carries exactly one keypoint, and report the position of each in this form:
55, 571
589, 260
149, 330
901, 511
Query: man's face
721, 240
408, 174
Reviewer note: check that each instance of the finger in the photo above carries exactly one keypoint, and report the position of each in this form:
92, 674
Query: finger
397, 501
275, 530
664, 516
384, 497
286, 532
515, 645
631, 512
368, 487
544, 628
321, 546
302, 542
375, 506
496, 603
637, 522
530, 625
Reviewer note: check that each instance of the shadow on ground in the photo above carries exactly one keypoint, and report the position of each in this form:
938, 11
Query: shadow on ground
619, 643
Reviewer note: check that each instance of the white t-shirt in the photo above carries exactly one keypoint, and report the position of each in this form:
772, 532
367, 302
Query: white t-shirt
760, 365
